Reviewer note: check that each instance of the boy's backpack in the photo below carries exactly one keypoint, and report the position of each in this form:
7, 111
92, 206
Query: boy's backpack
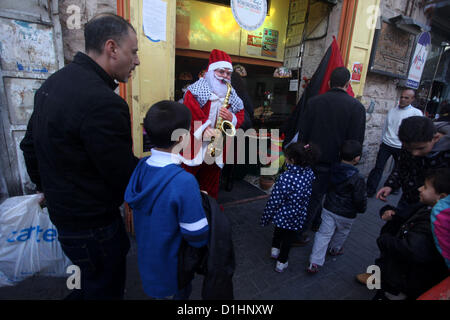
216, 261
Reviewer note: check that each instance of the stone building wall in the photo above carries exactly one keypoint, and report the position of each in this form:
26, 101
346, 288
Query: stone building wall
73, 15
381, 93
315, 49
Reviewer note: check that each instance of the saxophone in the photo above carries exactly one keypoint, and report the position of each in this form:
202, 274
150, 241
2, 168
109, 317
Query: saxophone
222, 127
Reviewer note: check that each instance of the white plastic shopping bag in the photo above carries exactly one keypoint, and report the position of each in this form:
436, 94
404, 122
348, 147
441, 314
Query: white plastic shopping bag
28, 241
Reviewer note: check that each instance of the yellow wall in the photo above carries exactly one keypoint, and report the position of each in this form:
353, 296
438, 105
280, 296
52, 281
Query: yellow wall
153, 80
361, 45
211, 26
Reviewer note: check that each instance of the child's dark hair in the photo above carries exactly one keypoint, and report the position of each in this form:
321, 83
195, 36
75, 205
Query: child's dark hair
162, 119
439, 179
350, 149
302, 154
416, 129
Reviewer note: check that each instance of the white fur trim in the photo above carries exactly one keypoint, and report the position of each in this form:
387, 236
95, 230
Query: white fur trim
220, 64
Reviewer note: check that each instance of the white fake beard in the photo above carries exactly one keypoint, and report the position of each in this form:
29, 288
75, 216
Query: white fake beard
216, 84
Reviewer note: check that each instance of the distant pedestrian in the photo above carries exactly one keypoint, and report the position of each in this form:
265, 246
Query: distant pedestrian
391, 144
345, 198
288, 203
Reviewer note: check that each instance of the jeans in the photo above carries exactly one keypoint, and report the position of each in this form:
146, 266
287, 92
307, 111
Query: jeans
376, 173
100, 254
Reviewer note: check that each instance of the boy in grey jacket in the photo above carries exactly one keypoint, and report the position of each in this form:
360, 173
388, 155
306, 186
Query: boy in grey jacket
346, 197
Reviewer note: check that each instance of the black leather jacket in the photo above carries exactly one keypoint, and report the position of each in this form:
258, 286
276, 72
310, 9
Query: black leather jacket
347, 193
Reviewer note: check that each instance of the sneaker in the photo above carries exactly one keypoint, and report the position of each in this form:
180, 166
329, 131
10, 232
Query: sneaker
274, 253
363, 277
280, 267
312, 268
335, 252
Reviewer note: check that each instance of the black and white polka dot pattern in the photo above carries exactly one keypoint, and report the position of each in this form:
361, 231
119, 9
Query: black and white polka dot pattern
288, 203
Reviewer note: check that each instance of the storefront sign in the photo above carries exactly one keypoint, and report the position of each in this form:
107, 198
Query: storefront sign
418, 61
249, 14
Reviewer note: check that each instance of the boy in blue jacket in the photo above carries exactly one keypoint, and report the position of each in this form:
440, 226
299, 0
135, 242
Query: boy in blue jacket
166, 203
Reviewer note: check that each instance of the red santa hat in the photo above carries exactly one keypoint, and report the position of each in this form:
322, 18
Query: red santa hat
219, 59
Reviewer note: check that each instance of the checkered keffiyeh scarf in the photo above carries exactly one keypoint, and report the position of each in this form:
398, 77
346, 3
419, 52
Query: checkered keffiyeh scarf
202, 92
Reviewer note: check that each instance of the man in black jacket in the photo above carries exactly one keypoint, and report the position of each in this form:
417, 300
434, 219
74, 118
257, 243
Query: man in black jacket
78, 152
328, 120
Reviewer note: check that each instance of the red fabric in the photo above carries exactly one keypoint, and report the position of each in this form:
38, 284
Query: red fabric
208, 177
218, 55
201, 115
440, 291
335, 61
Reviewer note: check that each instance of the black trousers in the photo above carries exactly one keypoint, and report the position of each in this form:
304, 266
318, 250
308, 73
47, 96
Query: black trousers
319, 189
283, 239
375, 175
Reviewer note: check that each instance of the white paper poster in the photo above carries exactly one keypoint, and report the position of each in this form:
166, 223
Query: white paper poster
154, 19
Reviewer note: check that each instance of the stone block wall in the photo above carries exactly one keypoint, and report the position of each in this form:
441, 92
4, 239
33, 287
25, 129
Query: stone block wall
382, 93
72, 31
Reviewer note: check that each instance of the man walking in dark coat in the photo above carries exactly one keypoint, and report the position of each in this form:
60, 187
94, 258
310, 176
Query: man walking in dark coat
328, 120
78, 152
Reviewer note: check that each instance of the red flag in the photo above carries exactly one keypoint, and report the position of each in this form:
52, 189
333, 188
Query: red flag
334, 62
317, 85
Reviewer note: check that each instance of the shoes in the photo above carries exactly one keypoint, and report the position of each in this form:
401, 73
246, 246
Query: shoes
303, 241
335, 252
363, 277
391, 296
312, 268
379, 296
280, 267
274, 253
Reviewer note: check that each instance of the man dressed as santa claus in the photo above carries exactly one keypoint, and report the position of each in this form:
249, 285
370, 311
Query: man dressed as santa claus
205, 99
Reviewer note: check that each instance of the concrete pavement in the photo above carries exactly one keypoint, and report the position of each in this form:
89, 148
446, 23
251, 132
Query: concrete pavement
255, 278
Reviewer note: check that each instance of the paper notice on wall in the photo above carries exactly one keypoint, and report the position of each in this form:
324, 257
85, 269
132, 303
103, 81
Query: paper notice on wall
254, 45
356, 71
269, 43
154, 13
293, 85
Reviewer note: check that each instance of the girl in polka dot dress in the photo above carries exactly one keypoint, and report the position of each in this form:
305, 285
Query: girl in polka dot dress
288, 203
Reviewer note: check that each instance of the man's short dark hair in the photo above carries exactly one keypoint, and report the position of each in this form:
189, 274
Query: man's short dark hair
103, 27
162, 119
416, 129
409, 89
350, 150
339, 77
439, 179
